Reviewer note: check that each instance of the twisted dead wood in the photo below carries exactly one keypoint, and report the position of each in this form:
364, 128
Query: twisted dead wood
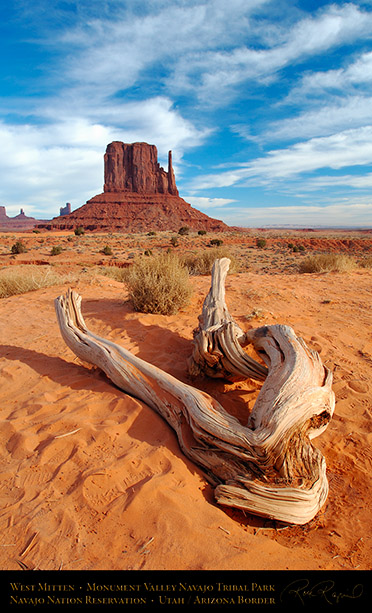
217, 347
268, 467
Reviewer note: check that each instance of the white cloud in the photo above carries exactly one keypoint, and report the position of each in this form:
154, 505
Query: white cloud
203, 48
358, 72
117, 51
333, 26
40, 176
347, 148
215, 73
355, 181
44, 166
203, 203
326, 119
153, 120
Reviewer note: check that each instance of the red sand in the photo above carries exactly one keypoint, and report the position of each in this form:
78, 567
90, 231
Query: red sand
94, 479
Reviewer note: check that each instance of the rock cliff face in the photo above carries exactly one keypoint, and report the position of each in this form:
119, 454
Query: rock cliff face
65, 210
135, 168
139, 195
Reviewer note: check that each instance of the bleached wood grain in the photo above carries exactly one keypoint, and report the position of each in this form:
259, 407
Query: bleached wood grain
268, 467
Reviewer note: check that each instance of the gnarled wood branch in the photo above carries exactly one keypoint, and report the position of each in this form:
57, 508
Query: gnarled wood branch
268, 467
218, 342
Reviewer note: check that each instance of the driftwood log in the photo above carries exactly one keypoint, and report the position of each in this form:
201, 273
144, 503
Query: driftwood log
268, 467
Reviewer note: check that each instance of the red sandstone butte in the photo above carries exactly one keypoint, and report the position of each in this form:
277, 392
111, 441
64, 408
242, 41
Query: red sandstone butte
139, 195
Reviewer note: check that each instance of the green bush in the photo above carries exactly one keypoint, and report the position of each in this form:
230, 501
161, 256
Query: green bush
79, 231
202, 232
19, 247
159, 284
260, 243
56, 250
174, 241
216, 241
106, 250
184, 230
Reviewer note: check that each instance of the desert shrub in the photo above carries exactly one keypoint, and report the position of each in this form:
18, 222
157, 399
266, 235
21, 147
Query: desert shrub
22, 279
148, 252
201, 263
327, 262
106, 250
184, 230
217, 242
202, 232
366, 262
79, 231
159, 284
36, 231
174, 241
19, 247
151, 233
260, 243
56, 250
290, 245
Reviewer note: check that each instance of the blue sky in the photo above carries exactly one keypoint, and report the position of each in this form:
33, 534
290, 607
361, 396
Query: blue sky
266, 104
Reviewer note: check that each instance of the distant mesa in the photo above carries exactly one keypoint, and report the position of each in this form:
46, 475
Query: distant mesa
139, 195
19, 222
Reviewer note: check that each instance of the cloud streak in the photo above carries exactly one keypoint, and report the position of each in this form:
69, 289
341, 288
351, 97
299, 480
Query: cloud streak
344, 149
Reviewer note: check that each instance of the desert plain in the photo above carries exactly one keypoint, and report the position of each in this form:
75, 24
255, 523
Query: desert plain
92, 478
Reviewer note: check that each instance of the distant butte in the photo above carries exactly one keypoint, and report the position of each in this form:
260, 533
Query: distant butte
19, 222
139, 195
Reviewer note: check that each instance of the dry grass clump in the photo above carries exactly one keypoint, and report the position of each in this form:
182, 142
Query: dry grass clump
114, 272
158, 284
201, 263
21, 279
327, 262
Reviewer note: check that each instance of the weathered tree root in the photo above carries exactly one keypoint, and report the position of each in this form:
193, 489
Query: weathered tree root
269, 467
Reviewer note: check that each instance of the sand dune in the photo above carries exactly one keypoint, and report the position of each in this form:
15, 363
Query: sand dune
93, 479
